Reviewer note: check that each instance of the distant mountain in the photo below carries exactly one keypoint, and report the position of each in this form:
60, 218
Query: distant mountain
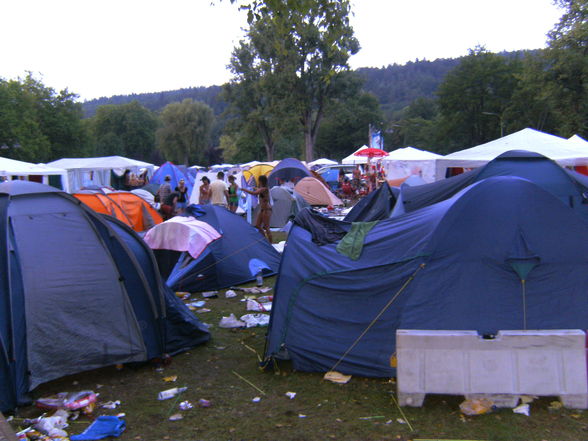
158, 100
396, 86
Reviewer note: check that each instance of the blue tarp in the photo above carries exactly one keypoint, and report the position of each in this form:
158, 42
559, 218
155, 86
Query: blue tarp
455, 265
226, 261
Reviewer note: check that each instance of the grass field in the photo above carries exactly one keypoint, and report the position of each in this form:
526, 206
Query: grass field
225, 371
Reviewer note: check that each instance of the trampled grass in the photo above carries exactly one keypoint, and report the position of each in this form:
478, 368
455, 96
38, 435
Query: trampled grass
225, 371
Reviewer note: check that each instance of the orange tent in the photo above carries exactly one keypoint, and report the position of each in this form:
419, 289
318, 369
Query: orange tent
125, 206
316, 193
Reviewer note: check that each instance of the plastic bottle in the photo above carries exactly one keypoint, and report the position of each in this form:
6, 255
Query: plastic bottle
259, 278
170, 393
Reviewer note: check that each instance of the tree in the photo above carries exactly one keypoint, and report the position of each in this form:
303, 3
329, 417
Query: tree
38, 124
298, 48
567, 56
347, 119
474, 97
185, 134
125, 130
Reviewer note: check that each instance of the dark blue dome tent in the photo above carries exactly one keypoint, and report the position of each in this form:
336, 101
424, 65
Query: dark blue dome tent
570, 187
289, 169
502, 254
79, 292
233, 259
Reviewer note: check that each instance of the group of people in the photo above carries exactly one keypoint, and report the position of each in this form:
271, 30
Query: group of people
217, 193
132, 180
360, 183
172, 202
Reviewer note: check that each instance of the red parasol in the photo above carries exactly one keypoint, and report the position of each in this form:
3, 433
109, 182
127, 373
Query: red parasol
371, 152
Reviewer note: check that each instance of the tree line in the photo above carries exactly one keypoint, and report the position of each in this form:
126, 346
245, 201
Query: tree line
292, 94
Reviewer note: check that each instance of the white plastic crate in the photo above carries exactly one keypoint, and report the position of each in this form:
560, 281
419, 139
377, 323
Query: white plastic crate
544, 363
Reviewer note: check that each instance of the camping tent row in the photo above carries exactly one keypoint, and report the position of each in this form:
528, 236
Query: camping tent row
86, 172
501, 254
571, 152
80, 291
10, 169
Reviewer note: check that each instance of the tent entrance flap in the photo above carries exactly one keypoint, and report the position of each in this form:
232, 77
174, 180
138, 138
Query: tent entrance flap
48, 277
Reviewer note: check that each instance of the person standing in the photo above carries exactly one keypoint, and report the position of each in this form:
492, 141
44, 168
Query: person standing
219, 193
182, 191
233, 197
262, 222
204, 191
164, 190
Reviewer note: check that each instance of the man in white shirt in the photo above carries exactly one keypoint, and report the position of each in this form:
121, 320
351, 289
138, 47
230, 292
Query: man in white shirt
219, 192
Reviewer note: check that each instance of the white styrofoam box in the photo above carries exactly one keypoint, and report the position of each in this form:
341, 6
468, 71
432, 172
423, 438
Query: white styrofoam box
541, 362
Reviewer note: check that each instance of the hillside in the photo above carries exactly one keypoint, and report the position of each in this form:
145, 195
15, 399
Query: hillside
396, 86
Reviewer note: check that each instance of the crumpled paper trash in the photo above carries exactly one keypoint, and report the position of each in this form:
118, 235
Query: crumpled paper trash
252, 320
231, 322
337, 377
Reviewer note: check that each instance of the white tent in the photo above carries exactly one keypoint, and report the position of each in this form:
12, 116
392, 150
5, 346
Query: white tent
578, 142
352, 159
321, 163
10, 168
410, 161
83, 172
559, 149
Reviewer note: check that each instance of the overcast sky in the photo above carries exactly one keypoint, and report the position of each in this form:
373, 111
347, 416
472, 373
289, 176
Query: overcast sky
112, 47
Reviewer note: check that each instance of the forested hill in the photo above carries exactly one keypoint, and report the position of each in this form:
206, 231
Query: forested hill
396, 86
158, 100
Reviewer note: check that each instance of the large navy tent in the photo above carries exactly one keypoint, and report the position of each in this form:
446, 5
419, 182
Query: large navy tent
235, 258
567, 185
79, 292
501, 254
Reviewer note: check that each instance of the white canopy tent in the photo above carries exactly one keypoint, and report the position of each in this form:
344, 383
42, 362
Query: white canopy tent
10, 168
578, 142
559, 149
83, 172
321, 163
410, 161
353, 160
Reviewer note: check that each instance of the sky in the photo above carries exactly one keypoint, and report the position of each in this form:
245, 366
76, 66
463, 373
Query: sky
118, 47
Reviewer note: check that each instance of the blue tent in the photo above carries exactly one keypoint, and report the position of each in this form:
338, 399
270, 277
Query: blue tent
235, 258
176, 173
79, 291
501, 254
289, 169
570, 187
375, 206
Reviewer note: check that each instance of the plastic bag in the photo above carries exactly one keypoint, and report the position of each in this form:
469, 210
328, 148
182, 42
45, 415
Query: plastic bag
477, 406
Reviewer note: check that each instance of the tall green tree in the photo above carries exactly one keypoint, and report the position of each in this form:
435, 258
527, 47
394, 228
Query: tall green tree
38, 124
474, 97
125, 130
347, 119
298, 47
185, 133
567, 56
